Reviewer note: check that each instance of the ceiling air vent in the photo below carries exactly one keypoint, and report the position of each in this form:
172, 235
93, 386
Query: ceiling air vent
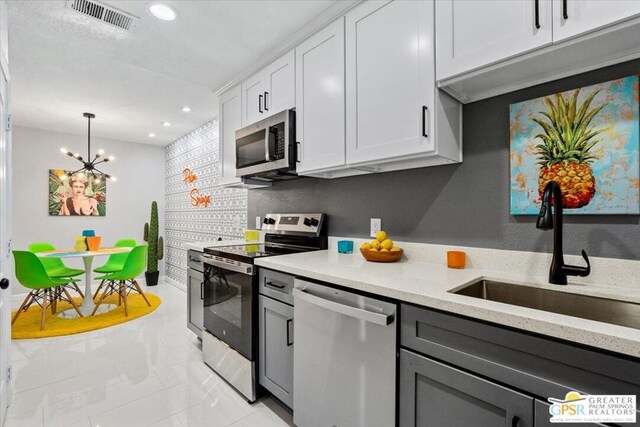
104, 13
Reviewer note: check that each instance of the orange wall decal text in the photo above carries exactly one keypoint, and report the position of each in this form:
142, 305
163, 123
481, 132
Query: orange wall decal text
198, 199
188, 176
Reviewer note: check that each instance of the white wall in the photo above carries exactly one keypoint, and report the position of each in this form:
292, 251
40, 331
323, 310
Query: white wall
139, 169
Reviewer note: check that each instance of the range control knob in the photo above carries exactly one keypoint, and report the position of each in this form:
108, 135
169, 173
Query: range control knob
265, 221
307, 222
314, 222
271, 221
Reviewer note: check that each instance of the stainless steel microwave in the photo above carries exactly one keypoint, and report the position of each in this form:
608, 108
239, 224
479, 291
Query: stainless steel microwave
267, 149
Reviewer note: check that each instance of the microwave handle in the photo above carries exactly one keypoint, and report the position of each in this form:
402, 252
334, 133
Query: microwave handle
270, 143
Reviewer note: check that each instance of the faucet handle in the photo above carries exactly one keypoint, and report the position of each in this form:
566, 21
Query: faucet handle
574, 270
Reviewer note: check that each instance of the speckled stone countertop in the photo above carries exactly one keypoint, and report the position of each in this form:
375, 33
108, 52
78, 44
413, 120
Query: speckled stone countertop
428, 284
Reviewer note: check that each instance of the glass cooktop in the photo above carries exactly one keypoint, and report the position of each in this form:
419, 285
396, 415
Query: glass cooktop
247, 253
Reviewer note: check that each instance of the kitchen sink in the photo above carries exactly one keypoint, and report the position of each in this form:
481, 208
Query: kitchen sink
586, 307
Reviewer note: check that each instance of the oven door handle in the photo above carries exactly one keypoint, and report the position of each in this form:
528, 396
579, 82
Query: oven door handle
238, 267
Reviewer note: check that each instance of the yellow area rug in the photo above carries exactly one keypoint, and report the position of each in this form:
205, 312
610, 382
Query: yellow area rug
28, 324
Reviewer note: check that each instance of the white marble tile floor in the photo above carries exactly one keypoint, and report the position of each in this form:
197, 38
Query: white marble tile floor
147, 372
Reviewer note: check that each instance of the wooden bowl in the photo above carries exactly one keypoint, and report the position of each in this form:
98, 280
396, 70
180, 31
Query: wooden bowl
377, 256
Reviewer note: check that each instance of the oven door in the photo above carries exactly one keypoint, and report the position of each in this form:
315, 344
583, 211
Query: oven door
229, 299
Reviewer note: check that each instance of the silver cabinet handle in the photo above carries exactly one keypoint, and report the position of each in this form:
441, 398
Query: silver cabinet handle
273, 285
358, 313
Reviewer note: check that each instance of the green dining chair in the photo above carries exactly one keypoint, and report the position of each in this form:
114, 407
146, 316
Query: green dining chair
124, 281
54, 267
32, 274
114, 262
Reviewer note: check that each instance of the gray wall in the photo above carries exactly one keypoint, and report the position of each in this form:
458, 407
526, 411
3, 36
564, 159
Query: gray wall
465, 204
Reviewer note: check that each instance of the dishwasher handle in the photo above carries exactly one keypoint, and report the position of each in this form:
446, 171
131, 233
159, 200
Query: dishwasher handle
347, 310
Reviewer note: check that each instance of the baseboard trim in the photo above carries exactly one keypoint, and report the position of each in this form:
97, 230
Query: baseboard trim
175, 283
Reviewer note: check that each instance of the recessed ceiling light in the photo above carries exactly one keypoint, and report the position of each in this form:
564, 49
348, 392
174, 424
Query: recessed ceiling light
162, 11
166, 124
186, 109
151, 135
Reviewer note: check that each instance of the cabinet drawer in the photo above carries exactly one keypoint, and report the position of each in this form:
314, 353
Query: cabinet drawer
544, 367
435, 394
193, 260
276, 285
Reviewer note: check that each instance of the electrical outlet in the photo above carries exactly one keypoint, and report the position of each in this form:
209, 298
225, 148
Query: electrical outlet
376, 225
258, 223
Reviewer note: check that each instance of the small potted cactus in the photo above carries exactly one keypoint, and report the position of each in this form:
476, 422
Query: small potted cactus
156, 247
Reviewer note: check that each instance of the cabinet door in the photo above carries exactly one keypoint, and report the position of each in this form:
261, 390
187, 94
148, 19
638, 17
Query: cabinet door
195, 298
279, 85
253, 99
320, 99
230, 122
574, 17
435, 394
472, 33
276, 348
390, 80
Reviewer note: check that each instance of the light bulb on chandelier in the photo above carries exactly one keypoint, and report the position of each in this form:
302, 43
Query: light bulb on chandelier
89, 166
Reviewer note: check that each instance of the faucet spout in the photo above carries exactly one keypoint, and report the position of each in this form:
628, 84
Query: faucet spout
552, 196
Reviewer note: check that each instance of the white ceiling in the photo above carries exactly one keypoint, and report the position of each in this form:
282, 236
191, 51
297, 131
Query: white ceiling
63, 63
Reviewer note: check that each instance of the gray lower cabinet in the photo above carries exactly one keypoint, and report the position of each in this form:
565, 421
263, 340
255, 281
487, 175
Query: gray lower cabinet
276, 348
195, 296
435, 394
485, 363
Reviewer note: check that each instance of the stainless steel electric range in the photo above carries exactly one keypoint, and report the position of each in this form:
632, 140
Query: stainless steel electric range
229, 344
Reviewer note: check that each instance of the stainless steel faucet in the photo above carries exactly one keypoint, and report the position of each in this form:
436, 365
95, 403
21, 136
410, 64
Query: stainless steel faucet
559, 271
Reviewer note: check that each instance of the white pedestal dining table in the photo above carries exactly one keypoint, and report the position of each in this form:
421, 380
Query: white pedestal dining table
87, 257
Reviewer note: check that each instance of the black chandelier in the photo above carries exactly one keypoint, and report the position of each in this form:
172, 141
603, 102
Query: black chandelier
90, 166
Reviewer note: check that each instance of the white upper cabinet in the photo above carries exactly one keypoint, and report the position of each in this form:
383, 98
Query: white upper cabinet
487, 48
320, 116
391, 95
229, 122
253, 99
279, 80
389, 79
270, 90
575, 17
474, 33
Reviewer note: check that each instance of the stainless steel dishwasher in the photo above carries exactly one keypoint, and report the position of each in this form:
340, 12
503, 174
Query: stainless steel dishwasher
344, 360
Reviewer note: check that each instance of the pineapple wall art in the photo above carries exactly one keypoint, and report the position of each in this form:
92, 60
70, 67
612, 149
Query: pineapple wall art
587, 140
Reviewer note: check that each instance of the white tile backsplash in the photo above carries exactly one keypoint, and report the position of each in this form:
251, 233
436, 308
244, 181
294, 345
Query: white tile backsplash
225, 217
